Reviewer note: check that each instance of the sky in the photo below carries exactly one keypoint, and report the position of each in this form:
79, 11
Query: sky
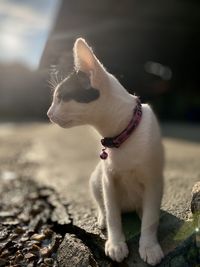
24, 28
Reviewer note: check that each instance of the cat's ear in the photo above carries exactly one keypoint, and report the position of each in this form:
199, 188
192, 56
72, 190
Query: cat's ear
84, 58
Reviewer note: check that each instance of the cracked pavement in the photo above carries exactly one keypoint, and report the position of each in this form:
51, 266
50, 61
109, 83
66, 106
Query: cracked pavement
63, 160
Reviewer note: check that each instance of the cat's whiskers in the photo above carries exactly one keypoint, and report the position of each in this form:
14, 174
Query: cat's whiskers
55, 77
51, 84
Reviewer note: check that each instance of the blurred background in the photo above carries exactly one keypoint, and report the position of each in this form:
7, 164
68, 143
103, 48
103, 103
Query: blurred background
151, 46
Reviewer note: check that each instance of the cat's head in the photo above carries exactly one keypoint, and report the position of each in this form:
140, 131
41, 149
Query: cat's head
82, 96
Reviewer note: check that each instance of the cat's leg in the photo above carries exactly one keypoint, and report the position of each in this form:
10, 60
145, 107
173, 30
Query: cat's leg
96, 188
115, 247
149, 248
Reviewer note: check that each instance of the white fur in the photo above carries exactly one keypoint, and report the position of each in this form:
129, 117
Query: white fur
132, 176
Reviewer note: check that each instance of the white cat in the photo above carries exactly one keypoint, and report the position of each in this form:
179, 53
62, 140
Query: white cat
131, 176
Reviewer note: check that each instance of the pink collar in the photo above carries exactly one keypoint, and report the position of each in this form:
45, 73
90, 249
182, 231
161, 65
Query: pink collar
117, 141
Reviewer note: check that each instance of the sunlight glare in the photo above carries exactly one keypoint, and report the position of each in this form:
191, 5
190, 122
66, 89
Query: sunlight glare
11, 42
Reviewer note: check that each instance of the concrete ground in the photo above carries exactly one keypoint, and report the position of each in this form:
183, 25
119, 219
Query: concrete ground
64, 159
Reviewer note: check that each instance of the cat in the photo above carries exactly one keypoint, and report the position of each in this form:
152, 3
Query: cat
129, 177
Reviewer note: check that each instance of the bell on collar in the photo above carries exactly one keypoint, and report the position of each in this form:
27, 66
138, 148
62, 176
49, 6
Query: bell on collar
103, 154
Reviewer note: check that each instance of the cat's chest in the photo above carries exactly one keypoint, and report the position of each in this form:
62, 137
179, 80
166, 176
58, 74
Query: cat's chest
121, 160
129, 189
124, 168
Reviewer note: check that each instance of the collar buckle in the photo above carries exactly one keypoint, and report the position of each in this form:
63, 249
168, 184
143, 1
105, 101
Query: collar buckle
108, 142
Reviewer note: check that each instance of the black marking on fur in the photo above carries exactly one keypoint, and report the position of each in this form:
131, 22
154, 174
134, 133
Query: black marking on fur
77, 87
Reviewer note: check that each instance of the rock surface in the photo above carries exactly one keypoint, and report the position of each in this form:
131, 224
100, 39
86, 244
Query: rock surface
76, 254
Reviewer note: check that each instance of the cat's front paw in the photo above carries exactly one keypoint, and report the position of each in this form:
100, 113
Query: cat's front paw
151, 254
117, 251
